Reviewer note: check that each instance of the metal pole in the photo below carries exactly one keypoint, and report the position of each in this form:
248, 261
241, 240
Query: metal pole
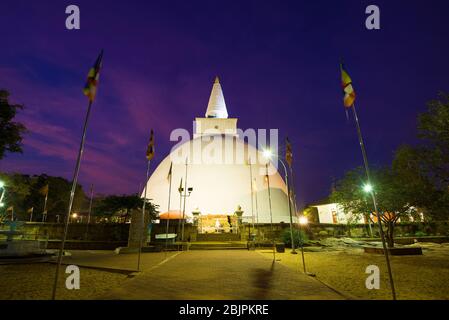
168, 207
365, 161
271, 213
31, 216
72, 197
252, 195
302, 251
184, 206
90, 209
143, 216
289, 206
44, 215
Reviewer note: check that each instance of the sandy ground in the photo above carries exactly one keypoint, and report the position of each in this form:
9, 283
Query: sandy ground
423, 277
35, 282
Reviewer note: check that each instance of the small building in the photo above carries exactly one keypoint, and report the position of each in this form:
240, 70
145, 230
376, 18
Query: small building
333, 213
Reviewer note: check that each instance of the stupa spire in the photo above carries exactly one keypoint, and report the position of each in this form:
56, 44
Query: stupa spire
216, 108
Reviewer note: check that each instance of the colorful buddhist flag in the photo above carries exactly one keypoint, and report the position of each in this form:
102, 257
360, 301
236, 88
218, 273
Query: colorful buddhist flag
150, 149
348, 90
90, 90
288, 152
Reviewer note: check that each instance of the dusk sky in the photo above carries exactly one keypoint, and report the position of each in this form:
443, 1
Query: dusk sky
278, 66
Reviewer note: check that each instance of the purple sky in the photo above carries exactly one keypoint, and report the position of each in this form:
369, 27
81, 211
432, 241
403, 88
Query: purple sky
278, 65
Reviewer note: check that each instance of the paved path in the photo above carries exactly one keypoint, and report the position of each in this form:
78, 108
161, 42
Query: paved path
109, 260
227, 274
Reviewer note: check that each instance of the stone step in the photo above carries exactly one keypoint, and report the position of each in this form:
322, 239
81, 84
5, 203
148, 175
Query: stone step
218, 237
218, 246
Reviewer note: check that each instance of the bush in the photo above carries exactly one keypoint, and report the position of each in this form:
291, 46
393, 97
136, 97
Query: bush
299, 237
420, 234
323, 233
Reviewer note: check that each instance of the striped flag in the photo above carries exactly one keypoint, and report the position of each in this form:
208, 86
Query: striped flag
90, 89
150, 149
348, 90
288, 152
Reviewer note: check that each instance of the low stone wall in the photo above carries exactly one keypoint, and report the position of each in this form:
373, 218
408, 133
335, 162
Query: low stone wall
76, 231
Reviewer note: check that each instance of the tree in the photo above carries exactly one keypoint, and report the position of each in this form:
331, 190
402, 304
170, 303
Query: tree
391, 202
124, 204
17, 188
424, 169
11, 132
24, 192
433, 126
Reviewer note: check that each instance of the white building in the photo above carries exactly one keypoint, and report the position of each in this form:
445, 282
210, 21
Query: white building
219, 173
333, 213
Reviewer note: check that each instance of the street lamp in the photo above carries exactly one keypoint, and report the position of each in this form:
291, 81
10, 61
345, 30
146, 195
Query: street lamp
2, 186
368, 188
303, 221
184, 196
268, 154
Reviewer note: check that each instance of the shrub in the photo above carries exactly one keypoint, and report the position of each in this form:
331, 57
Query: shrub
420, 234
323, 233
299, 237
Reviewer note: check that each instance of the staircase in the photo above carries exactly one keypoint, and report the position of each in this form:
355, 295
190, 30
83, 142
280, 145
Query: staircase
220, 237
218, 241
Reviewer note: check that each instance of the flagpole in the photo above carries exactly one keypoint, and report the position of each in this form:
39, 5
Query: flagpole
252, 196
168, 209
365, 161
44, 215
185, 198
90, 208
143, 216
72, 196
31, 216
271, 213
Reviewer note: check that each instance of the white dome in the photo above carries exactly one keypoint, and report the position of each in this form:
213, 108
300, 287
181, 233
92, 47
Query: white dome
220, 186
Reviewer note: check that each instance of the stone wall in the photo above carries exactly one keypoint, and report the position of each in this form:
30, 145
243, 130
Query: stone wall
76, 231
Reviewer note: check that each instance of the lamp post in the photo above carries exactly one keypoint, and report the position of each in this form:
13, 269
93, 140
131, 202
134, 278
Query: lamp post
368, 188
187, 193
2, 189
303, 221
269, 155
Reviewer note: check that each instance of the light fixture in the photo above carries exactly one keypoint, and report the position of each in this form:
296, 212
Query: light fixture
2, 184
2, 204
74, 215
303, 220
368, 188
267, 154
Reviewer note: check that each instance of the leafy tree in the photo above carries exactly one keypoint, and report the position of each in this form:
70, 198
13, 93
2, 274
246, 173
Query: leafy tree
391, 201
433, 127
124, 204
58, 196
11, 132
17, 188
25, 192
424, 169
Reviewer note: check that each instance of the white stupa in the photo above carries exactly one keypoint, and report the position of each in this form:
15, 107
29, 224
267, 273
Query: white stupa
219, 172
